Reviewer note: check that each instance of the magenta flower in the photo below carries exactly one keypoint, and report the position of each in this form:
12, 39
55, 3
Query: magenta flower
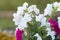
54, 25
19, 34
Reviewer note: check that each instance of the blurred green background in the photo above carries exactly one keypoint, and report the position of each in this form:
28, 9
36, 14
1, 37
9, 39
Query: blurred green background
8, 7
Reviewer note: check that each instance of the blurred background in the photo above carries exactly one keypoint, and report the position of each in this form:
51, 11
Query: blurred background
8, 7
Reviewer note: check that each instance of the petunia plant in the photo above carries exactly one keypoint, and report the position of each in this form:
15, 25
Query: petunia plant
32, 25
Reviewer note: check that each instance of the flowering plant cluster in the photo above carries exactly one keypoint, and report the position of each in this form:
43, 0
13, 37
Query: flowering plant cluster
32, 25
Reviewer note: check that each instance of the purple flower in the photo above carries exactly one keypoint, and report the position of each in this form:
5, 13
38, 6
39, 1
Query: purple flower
19, 34
54, 25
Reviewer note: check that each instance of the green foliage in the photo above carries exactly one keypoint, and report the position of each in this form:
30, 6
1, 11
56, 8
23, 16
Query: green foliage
33, 28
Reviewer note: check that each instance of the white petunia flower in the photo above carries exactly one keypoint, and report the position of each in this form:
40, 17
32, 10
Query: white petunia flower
17, 18
24, 20
39, 17
48, 10
25, 5
43, 21
20, 10
56, 5
58, 21
36, 10
58, 9
23, 24
51, 33
38, 36
31, 8
27, 17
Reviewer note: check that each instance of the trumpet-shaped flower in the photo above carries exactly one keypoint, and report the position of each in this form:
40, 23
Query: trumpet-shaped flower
33, 8
24, 20
56, 5
39, 17
51, 33
19, 34
38, 36
43, 21
54, 25
58, 21
48, 10
58, 9
27, 17
20, 10
17, 18
25, 5
36, 10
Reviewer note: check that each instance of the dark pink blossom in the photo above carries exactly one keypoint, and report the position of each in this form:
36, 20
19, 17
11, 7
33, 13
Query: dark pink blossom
19, 34
54, 25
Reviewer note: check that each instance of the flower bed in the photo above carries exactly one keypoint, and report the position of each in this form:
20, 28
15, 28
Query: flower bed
32, 25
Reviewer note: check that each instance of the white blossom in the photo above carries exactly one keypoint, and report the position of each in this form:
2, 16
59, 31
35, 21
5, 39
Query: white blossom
25, 5
36, 10
51, 33
17, 18
58, 9
31, 8
23, 24
27, 17
20, 10
39, 17
56, 5
24, 20
58, 21
38, 36
43, 21
48, 10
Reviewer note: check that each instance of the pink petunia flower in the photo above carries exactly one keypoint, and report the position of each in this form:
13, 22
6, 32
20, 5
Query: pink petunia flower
54, 25
19, 34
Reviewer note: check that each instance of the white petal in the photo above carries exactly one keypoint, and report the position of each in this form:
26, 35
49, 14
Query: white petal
51, 33
38, 36
48, 10
39, 17
36, 10
17, 18
43, 21
27, 17
58, 21
58, 9
20, 10
25, 5
55, 4
31, 8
